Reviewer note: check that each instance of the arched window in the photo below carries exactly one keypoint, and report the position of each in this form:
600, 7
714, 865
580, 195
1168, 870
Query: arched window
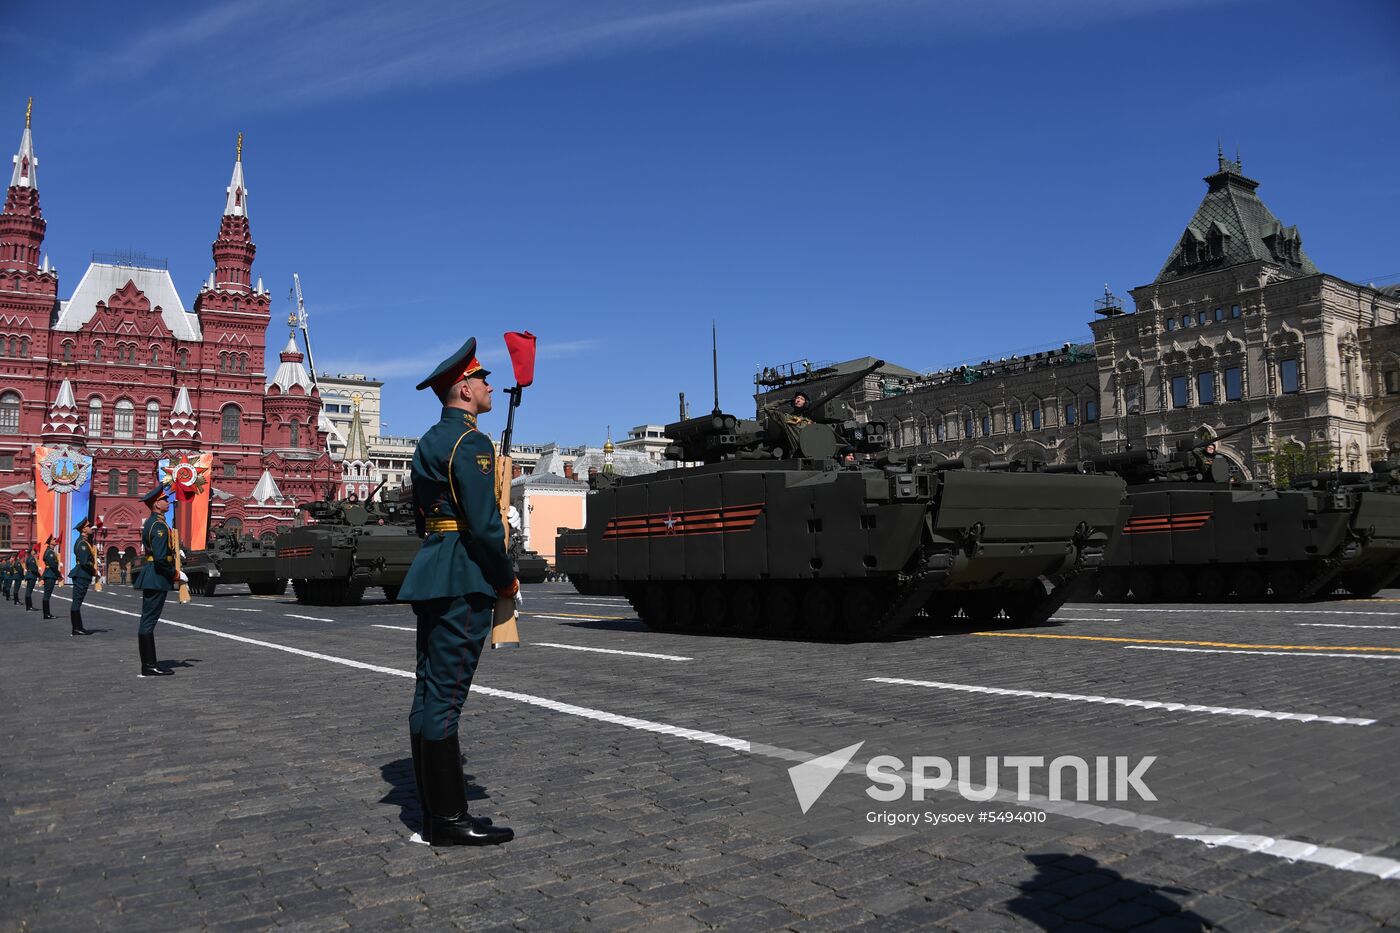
4, 530
123, 423
133, 483
229, 424
24, 346
14, 346
268, 539
1035, 418
152, 420
296, 433
182, 358
967, 426
94, 417
9, 413
97, 351
234, 526
114, 482
67, 351
938, 431
223, 362
155, 356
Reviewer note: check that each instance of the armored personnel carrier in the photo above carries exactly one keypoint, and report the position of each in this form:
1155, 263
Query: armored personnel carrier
347, 547
530, 567
1195, 533
233, 559
794, 525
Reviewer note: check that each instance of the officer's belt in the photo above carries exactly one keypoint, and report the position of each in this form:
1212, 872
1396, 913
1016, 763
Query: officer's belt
150, 560
438, 525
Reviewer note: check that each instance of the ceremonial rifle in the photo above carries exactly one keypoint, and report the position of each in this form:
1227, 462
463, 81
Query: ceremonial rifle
505, 631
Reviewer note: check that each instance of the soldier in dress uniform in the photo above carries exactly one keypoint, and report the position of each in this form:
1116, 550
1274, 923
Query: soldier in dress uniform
31, 577
7, 573
84, 569
453, 585
51, 573
155, 579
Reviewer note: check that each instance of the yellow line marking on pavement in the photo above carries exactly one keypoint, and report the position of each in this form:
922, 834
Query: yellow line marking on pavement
1179, 641
571, 615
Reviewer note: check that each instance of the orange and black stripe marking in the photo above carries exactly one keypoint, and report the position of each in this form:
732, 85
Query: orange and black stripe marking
1159, 524
722, 520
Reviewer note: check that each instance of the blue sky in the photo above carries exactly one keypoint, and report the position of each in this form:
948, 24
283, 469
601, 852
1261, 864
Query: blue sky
923, 181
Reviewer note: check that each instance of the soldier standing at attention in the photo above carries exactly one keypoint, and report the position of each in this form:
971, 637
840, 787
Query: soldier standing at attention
7, 572
155, 580
51, 573
84, 569
453, 585
31, 576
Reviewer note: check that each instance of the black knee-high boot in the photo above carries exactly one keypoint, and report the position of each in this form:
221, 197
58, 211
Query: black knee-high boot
147, 646
449, 823
47, 613
75, 617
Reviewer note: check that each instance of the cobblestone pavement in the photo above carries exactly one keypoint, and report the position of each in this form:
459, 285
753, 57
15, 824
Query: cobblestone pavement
268, 783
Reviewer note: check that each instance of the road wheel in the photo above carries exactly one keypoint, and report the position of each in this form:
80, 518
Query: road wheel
941, 607
279, 587
298, 589
1177, 586
1361, 585
1248, 584
354, 594
860, 610
1030, 604
391, 594
780, 606
1211, 585
746, 610
819, 610
1113, 585
685, 607
1287, 582
1143, 583
656, 609
982, 606
714, 609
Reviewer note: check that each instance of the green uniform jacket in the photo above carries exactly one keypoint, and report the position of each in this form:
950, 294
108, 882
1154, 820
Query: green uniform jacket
51, 565
454, 477
158, 572
84, 564
31, 568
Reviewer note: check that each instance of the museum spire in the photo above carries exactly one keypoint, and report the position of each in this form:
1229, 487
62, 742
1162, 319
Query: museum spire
234, 249
22, 222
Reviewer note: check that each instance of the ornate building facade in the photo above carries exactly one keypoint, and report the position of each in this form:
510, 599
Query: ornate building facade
1238, 326
124, 373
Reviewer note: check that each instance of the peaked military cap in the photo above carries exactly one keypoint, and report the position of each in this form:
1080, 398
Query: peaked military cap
85, 520
456, 367
154, 494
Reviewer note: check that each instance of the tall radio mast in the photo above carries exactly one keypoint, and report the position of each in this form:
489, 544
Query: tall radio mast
301, 320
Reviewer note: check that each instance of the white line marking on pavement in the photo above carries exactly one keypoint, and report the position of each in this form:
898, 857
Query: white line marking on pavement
397, 628
1074, 619
635, 654
293, 615
1344, 625
576, 618
1288, 849
614, 604
1286, 654
1141, 704
1214, 611
236, 609
202, 605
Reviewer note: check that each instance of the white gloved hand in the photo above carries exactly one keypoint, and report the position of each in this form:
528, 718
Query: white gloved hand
183, 578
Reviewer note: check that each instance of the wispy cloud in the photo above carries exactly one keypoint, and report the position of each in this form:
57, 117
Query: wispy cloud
320, 50
418, 365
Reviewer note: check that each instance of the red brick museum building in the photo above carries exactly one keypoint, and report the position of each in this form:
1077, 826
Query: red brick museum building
121, 371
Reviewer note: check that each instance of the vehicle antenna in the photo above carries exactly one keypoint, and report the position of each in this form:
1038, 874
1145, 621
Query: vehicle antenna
714, 361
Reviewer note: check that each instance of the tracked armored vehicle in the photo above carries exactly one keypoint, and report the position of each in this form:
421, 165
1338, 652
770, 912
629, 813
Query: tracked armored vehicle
347, 547
1193, 533
530, 567
793, 525
234, 559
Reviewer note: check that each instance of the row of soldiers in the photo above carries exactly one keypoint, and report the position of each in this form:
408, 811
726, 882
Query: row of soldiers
22, 572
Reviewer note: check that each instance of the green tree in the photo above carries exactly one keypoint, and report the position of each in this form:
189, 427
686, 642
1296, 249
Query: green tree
1287, 460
